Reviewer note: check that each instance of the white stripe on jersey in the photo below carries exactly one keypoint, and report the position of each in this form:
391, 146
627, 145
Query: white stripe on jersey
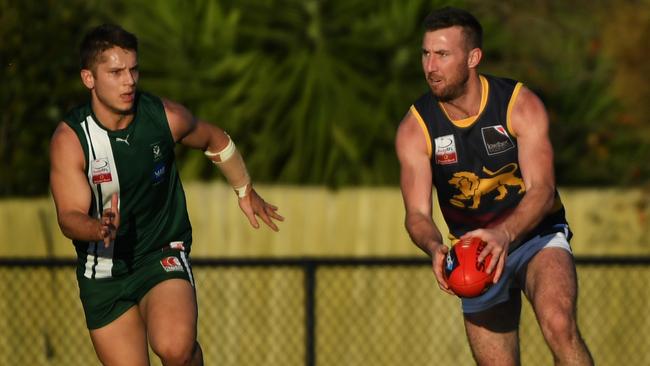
99, 143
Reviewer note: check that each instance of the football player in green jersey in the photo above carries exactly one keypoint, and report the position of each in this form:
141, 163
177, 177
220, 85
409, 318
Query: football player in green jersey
118, 196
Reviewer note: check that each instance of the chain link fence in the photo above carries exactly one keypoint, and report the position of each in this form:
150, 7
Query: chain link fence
325, 312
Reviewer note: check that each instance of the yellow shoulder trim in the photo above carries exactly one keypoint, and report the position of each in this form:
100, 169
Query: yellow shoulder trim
423, 126
466, 122
513, 98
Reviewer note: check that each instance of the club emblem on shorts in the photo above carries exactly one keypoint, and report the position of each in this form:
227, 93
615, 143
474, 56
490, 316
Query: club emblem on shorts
445, 150
496, 139
101, 171
171, 264
178, 245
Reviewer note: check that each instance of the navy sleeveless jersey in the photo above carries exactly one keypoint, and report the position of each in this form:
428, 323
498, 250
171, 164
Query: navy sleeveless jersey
474, 161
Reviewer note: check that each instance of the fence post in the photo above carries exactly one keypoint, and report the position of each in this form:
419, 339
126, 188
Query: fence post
310, 313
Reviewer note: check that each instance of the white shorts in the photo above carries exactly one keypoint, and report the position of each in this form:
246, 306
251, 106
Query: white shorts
516, 263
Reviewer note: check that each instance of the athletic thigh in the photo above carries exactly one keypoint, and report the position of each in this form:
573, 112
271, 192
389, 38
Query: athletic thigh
169, 311
551, 285
493, 333
123, 341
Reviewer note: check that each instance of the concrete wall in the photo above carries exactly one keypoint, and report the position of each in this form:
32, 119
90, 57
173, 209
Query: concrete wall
322, 222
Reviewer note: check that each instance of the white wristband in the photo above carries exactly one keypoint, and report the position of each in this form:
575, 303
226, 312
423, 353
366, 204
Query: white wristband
242, 191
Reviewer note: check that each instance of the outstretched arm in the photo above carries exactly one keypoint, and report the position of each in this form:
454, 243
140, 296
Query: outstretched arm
416, 186
71, 193
217, 145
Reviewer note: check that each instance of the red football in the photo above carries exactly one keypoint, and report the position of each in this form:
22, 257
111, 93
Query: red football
464, 274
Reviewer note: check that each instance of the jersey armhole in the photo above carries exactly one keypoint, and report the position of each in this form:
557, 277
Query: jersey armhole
513, 99
159, 116
425, 131
82, 139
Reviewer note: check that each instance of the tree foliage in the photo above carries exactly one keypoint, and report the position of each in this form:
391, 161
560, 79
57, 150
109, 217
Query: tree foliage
40, 80
312, 90
573, 64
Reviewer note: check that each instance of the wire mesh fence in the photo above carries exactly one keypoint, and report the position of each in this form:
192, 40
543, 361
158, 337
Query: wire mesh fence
323, 312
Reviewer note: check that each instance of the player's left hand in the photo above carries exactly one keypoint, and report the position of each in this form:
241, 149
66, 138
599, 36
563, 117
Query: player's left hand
253, 205
497, 242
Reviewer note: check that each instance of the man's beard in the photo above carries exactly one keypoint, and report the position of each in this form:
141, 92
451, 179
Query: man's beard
454, 90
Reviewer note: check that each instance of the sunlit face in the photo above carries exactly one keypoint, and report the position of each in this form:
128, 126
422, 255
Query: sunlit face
445, 62
113, 80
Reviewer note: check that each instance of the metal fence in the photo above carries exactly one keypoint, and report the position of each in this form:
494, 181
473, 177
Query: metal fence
323, 312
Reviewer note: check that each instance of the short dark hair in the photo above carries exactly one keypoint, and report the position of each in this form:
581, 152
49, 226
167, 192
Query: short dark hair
101, 38
449, 17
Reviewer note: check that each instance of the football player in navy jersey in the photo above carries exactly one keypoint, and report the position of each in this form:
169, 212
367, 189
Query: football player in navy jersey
482, 142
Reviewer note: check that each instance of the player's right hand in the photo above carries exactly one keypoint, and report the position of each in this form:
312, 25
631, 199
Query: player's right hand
110, 222
498, 242
438, 262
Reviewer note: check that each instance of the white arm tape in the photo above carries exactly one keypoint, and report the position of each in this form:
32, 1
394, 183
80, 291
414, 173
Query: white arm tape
231, 164
222, 155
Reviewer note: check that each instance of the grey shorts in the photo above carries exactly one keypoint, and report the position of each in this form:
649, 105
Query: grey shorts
513, 271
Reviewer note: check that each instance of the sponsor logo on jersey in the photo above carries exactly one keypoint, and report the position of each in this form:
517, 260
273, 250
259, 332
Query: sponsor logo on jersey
124, 140
446, 150
171, 264
101, 171
159, 171
496, 139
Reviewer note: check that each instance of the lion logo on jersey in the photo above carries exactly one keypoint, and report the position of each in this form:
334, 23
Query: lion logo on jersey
472, 188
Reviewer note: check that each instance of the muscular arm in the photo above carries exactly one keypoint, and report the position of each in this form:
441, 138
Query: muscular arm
530, 124
189, 131
416, 185
192, 132
70, 189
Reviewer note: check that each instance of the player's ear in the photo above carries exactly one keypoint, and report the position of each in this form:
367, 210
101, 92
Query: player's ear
474, 57
88, 78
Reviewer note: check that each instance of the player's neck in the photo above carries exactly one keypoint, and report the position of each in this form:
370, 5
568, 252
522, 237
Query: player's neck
109, 118
467, 104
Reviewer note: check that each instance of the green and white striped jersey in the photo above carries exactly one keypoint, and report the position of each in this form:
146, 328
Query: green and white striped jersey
138, 163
